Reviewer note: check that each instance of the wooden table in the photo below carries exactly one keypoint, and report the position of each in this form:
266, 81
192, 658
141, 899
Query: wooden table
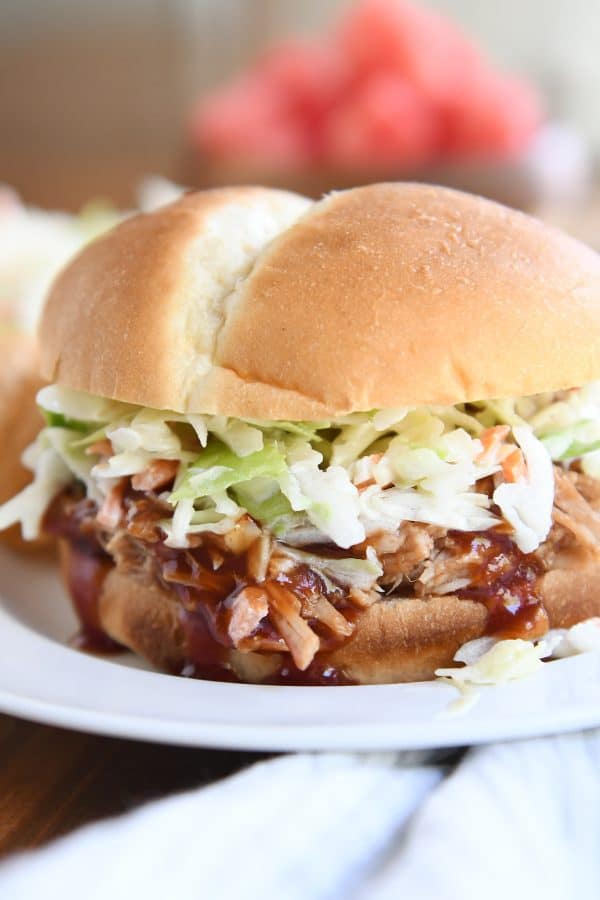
52, 780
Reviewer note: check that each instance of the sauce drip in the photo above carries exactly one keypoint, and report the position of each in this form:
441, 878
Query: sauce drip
317, 674
85, 573
85, 566
505, 580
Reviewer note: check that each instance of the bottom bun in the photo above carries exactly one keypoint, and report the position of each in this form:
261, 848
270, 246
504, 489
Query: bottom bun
395, 640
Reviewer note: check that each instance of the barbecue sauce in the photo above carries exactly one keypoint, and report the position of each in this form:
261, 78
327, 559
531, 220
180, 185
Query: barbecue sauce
505, 580
316, 675
85, 572
85, 566
205, 596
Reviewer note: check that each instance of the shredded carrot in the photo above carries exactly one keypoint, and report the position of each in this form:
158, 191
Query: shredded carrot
100, 448
492, 439
513, 466
363, 485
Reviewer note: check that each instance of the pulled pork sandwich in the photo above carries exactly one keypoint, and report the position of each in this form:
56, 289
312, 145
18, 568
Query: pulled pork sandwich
274, 449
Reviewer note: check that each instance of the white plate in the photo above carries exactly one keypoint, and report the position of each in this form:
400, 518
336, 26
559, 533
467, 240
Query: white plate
43, 679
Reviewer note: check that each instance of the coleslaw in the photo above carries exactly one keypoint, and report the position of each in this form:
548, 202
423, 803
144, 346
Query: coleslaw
335, 481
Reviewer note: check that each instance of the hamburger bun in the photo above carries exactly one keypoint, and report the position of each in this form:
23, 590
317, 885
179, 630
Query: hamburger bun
258, 303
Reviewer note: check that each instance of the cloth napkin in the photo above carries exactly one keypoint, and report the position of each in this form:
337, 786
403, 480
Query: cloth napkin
508, 821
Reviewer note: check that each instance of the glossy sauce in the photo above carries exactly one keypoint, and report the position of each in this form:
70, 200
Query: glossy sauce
85, 573
317, 674
205, 596
506, 581
85, 566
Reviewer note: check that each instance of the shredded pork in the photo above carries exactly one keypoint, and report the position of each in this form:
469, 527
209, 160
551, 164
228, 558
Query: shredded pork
248, 609
574, 513
111, 511
588, 487
284, 604
285, 610
404, 554
159, 474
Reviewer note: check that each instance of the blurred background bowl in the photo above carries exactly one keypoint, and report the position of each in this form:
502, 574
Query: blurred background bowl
95, 95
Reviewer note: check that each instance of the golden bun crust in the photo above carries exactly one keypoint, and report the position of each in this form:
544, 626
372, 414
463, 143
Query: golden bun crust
253, 302
135, 315
20, 420
395, 640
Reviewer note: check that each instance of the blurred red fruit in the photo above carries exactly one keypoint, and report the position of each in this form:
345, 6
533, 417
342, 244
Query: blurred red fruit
385, 123
250, 119
423, 46
310, 74
396, 85
497, 117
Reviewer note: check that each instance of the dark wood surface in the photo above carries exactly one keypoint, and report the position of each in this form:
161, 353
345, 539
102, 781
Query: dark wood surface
53, 780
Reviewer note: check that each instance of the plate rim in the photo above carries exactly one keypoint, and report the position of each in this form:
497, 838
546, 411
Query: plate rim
279, 738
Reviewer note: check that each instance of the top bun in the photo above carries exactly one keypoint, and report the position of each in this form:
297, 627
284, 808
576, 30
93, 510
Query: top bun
259, 303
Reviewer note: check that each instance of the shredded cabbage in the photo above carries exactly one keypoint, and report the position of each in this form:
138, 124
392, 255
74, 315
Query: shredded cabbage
584, 637
328, 496
358, 573
503, 661
339, 480
51, 475
218, 468
491, 661
77, 405
263, 500
527, 504
385, 510
186, 520
566, 422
